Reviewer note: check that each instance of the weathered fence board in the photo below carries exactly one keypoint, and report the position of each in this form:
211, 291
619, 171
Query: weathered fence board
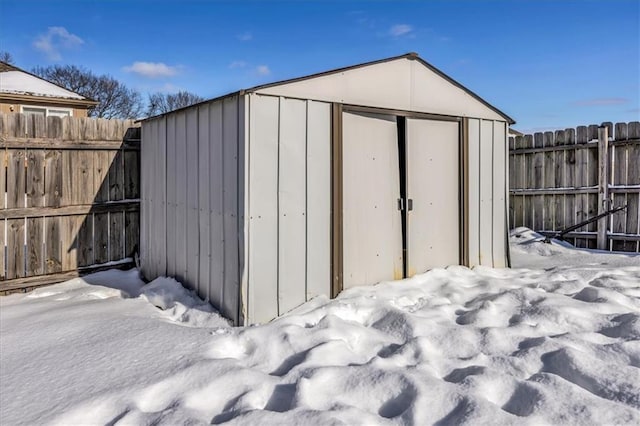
35, 247
116, 236
53, 246
101, 237
633, 178
53, 178
84, 241
15, 248
15, 178
35, 177
116, 176
555, 183
132, 232
132, 174
101, 166
69, 196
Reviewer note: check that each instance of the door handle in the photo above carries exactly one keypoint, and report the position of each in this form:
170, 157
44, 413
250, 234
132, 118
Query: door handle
409, 204
400, 204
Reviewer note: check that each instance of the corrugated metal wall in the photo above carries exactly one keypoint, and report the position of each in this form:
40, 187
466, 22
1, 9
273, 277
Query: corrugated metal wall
192, 208
487, 193
289, 190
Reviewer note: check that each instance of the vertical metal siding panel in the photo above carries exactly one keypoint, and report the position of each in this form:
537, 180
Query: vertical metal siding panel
145, 148
151, 187
172, 194
192, 225
474, 192
204, 206
243, 206
161, 219
181, 197
499, 194
216, 186
155, 238
263, 217
230, 170
486, 192
291, 206
148, 184
318, 199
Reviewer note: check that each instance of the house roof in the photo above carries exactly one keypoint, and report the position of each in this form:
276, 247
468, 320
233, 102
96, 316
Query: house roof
17, 82
410, 56
4, 66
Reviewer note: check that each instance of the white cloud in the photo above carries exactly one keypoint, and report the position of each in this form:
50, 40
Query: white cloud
400, 30
54, 40
237, 64
246, 36
152, 69
263, 70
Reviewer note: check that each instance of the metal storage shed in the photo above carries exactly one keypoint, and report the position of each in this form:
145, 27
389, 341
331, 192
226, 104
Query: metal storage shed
264, 198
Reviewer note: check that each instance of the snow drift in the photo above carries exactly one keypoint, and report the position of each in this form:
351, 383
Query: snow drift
452, 346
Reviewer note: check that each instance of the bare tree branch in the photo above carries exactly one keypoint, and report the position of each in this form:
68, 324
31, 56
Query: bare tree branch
115, 99
6, 57
159, 103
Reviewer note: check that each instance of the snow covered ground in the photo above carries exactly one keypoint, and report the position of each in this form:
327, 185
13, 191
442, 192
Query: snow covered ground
558, 343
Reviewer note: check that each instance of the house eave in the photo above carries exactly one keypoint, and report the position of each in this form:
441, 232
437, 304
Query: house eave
18, 97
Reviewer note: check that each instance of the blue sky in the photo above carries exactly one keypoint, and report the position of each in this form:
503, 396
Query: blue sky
548, 64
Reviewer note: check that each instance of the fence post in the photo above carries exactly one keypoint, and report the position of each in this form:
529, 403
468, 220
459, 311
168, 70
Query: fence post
603, 185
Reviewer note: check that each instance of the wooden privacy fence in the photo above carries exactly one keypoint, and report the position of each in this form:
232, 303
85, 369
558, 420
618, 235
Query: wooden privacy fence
69, 197
558, 179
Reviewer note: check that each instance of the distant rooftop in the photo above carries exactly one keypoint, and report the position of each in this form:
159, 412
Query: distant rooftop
7, 67
15, 81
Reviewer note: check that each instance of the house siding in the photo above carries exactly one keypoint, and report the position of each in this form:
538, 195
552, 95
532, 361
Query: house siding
5, 107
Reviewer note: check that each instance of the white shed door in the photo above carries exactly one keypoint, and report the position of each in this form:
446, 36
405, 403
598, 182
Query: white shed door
372, 223
433, 223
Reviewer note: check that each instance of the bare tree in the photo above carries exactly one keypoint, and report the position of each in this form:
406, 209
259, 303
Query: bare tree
115, 99
159, 103
6, 57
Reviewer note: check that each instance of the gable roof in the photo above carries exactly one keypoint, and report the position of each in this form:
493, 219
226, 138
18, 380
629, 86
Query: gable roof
428, 72
20, 83
408, 56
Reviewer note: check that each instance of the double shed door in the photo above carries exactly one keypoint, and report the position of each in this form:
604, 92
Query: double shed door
400, 196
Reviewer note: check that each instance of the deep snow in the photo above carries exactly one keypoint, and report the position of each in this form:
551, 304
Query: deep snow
558, 343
